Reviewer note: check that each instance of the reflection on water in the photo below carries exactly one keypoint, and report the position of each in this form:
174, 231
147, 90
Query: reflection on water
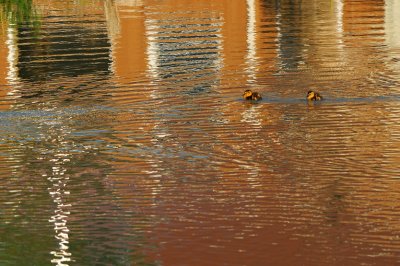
58, 190
19, 13
124, 141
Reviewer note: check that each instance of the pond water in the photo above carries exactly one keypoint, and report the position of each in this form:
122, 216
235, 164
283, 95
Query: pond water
124, 139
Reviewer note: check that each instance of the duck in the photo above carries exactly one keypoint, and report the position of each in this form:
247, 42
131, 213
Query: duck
256, 96
313, 96
250, 95
247, 94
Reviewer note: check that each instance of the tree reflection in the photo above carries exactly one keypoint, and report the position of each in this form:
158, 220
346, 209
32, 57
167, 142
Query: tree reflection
17, 12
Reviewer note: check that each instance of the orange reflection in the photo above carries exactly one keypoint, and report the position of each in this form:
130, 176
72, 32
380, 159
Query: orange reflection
136, 52
234, 52
216, 181
128, 35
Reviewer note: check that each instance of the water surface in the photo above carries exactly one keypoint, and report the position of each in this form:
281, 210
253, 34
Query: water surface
124, 139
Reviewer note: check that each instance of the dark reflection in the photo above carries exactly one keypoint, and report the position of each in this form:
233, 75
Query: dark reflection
67, 59
289, 22
63, 51
184, 50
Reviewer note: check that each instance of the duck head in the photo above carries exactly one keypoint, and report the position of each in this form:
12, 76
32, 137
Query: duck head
313, 96
310, 95
247, 94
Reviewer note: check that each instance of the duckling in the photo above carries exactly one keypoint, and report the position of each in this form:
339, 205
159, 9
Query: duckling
249, 95
313, 96
256, 96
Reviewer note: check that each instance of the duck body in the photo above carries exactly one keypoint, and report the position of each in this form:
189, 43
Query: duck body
256, 96
313, 96
251, 95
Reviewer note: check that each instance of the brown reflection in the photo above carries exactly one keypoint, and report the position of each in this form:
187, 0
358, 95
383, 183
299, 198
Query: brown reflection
157, 179
357, 187
360, 17
249, 44
128, 31
251, 196
234, 32
213, 180
364, 21
267, 42
331, 50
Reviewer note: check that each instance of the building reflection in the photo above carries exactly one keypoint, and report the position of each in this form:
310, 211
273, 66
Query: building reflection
128, 39
59, 49
222, 48
392, 24
240, 55
290, 43
42, 69
173, 61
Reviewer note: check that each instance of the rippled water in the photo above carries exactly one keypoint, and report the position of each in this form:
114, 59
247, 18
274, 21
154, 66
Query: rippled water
124, 139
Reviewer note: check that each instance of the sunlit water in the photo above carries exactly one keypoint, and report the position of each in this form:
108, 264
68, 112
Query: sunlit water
124, 139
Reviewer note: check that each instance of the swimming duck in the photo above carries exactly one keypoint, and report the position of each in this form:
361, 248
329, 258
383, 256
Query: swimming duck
247, 94
250, 95
256, 96
313, 96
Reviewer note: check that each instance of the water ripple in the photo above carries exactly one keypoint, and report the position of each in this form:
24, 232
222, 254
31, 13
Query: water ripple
124, 139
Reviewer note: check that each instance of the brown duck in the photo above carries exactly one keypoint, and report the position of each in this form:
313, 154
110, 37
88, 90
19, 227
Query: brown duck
250, 95
313, 96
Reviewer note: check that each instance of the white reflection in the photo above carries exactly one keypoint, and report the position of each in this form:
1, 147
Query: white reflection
339, 16
58, 191
130, 2
251, 38
153, 52
12, 57
278, 31
339, 22
252, 116
392, 26
392, 23
113, 28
